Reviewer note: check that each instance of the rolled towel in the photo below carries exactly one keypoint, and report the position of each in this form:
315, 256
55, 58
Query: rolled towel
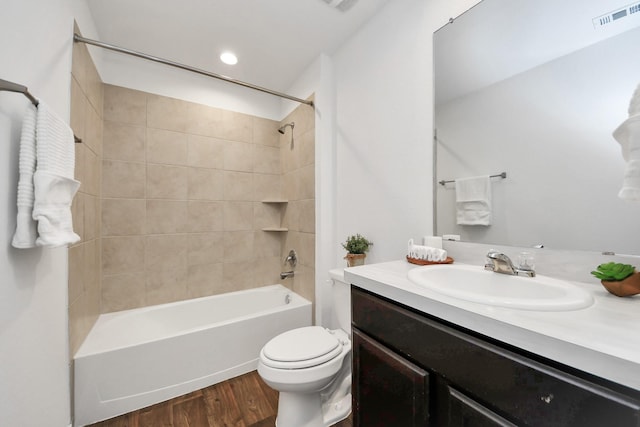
631, 183
426, 253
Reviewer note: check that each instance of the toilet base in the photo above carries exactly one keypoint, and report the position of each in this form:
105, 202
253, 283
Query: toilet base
306, 410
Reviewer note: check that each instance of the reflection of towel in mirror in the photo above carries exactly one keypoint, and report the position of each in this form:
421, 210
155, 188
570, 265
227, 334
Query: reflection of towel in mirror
628, 135
26, 232
473, 201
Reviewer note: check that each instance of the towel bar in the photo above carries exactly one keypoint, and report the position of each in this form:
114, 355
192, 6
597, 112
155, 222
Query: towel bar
8, 86
502, 175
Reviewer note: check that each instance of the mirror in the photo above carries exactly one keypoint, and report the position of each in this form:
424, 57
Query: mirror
535, 88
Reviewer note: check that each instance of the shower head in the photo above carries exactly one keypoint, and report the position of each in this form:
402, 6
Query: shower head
284, 127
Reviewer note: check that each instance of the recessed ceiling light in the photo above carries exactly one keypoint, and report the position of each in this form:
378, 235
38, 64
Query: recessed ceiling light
229, 58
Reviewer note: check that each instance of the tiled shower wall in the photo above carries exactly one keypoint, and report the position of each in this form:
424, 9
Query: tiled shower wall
182, 192
298, 187
85, 256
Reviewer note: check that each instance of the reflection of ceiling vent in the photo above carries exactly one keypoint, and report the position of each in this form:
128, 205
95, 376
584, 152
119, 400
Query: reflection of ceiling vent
342, 5
608, 18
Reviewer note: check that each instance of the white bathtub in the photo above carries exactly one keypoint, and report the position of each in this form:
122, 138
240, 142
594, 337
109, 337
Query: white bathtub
135, 358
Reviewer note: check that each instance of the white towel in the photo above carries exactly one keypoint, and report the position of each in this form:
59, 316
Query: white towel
53, 180
26, 232
628, 135
473, 201
426, 253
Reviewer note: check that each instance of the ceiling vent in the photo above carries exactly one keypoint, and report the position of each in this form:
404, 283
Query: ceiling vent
609, 18
341, 5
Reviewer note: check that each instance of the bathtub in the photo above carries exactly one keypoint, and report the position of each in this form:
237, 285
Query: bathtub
135, 358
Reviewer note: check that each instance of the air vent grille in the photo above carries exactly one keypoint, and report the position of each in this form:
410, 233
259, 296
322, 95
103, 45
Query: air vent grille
611, 17
341, 5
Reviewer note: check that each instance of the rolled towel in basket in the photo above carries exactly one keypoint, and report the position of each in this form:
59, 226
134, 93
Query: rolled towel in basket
426, 253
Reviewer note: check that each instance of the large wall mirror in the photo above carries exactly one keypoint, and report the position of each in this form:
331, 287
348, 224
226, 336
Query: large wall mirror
535, 88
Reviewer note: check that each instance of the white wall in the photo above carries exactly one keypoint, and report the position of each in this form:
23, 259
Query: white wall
384, 126
34, 371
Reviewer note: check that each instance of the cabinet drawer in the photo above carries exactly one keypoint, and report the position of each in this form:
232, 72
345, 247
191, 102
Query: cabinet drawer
521, 390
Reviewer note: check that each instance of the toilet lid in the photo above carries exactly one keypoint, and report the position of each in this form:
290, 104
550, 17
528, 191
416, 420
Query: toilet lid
302, 348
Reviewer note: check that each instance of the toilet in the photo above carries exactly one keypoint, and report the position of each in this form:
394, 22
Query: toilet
311, 367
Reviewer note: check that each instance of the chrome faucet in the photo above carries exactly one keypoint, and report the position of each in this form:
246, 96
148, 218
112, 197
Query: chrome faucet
501, 263
292, 260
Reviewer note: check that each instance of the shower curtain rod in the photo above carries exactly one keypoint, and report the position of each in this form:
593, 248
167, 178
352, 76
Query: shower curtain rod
79, 39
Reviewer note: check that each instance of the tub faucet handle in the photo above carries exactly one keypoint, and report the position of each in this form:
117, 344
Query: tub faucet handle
291, 259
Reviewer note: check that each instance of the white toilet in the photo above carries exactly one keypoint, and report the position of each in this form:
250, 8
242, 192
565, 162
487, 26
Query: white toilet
311, 367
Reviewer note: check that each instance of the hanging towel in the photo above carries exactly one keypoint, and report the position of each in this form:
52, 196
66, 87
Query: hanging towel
473, 201
628, 135
26, 232
53, 180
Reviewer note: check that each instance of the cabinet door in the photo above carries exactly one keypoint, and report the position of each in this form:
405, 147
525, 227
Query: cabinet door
465, 412
388, 390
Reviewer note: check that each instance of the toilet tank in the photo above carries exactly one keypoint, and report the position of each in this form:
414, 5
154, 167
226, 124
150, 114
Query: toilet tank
341, 300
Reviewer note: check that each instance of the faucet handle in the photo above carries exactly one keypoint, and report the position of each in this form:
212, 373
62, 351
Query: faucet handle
291, 259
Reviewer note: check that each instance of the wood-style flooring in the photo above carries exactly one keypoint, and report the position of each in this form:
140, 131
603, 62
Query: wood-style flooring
244, 401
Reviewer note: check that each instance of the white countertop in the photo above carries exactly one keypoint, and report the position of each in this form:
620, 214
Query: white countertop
603, 339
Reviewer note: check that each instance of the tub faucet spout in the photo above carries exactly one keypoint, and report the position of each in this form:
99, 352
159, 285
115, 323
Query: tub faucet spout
286, 274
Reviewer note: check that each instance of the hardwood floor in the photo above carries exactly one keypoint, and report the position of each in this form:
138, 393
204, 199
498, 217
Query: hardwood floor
244, 401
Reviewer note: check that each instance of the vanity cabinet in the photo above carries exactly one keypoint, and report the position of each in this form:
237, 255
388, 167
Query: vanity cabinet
410, 369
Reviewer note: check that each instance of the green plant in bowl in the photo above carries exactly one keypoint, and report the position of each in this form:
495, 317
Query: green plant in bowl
613, 271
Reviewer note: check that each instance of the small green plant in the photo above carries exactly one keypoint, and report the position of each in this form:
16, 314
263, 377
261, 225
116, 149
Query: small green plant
357, 244
613, 271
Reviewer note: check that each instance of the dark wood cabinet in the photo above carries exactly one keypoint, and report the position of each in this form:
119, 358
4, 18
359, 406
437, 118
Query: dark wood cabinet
467, 379
389, 390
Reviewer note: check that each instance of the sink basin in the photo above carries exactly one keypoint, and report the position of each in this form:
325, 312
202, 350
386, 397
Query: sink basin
475, 284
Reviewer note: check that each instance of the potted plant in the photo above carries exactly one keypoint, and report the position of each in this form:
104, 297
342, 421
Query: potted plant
356, 246
621, 280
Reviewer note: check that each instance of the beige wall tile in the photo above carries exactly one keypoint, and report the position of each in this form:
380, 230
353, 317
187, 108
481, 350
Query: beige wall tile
307, 182
265, 132
266, 159
267, 187
204, 216
304, 283
268, 245
307, 148
307, 217
166, 216
95, 88
307, 251
125, 105
217, 123
236, 126
77, 214
166, 113
166, 182
238, 276
238, 246
123, 292
238, 156
93, 130
203, 279
76, 272
267, 271
122, 141
91, 276
238, 186
80, 57
122, 217
123, 179
79, 168
78, 323
92, 170
167, 147
205, 184
91, 209
78, 109
205, 248
238, 216
122, 255
166, 286
266, 215
205, 152
166, 252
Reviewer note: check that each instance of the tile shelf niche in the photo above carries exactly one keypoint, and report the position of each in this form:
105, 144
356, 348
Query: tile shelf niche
280, 202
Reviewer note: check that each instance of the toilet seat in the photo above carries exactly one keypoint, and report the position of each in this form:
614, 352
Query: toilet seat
301, 348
